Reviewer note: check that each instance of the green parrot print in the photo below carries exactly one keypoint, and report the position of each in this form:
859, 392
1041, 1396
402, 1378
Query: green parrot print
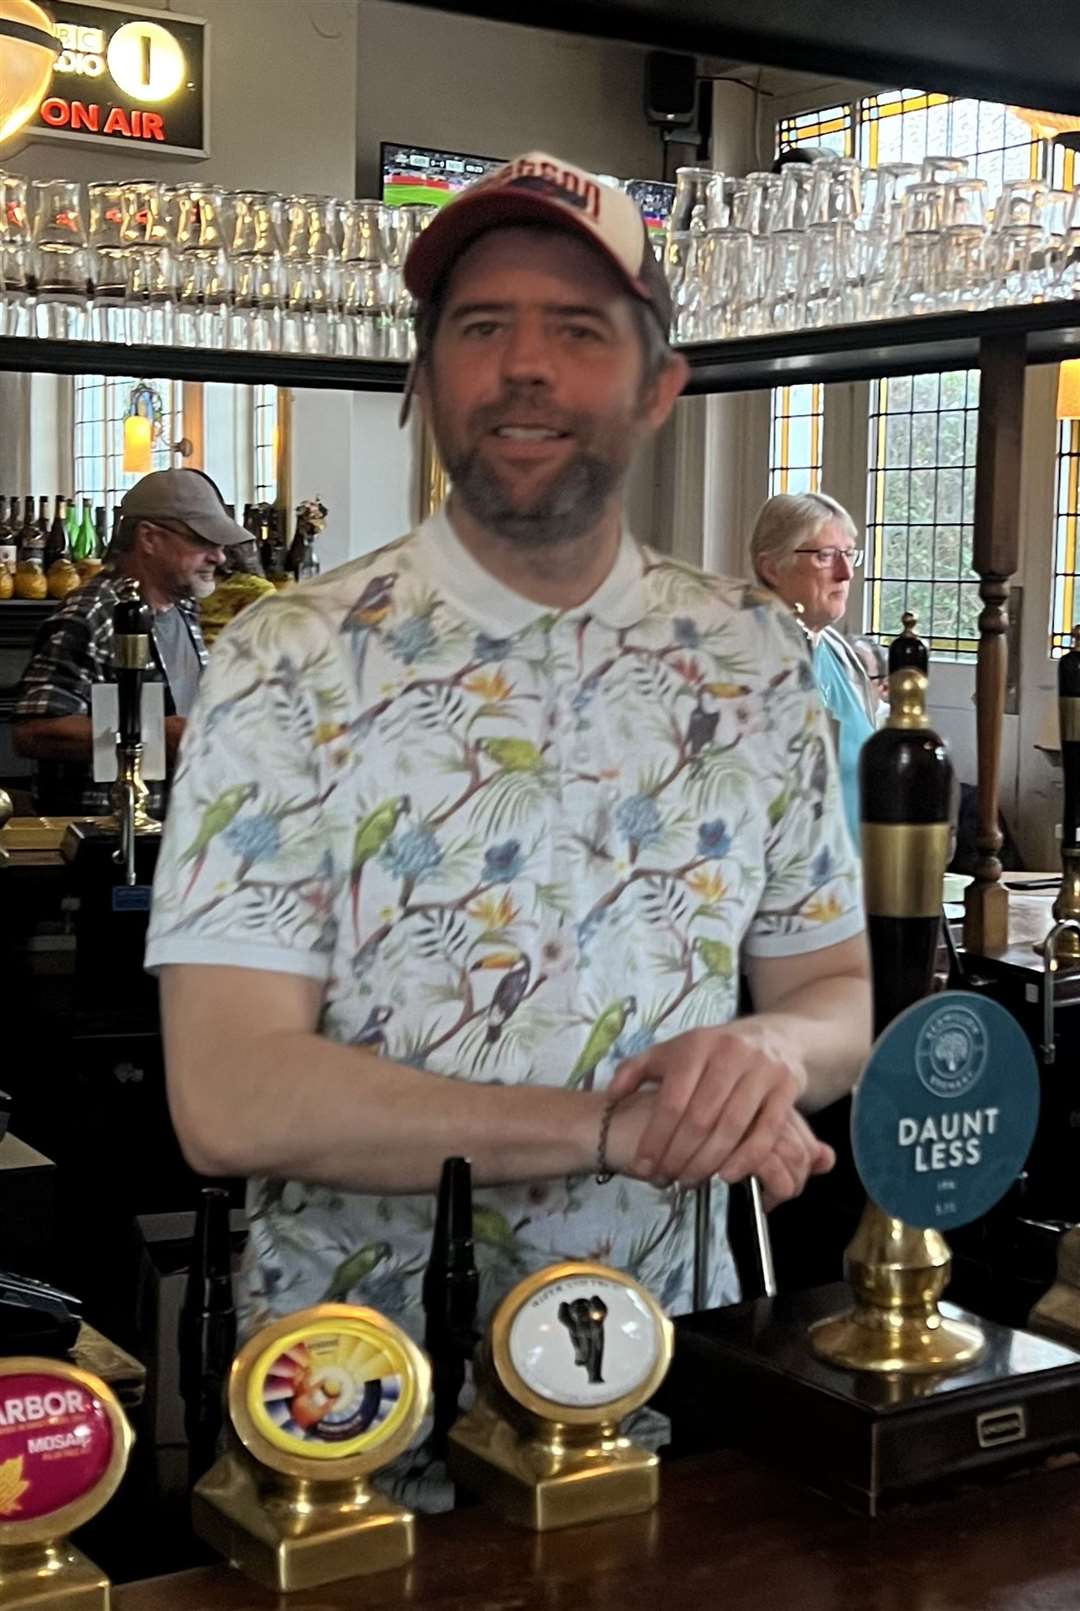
371, 836
602, 1037
512, 754
216, 818
356, 1268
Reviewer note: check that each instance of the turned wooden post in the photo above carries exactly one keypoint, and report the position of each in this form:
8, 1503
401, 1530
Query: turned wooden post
996, 549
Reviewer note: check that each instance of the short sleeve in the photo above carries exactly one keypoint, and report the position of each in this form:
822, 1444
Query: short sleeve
812, 896
62, 669
246, 871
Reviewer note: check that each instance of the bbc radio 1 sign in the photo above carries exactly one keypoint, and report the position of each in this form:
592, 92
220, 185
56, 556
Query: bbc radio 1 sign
127, 78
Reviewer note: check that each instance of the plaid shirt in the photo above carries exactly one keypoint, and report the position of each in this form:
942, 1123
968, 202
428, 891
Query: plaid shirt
74, 650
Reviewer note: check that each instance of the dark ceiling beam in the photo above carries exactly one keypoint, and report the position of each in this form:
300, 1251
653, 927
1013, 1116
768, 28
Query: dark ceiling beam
1026, 52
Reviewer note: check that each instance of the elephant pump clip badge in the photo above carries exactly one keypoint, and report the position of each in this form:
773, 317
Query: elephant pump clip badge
570, 1353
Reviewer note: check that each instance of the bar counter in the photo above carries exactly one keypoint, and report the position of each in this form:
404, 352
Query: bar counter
727, 1534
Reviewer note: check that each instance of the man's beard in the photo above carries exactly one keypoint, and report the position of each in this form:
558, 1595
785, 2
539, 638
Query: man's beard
201, 587
569, 505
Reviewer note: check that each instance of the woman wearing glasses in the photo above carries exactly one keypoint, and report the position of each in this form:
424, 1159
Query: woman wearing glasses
803, 548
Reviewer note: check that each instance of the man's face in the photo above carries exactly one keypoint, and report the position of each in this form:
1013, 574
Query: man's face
185, 565
534, 386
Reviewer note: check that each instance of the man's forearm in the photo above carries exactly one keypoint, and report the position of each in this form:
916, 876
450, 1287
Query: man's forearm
54, 738
301, 1107
829, 1021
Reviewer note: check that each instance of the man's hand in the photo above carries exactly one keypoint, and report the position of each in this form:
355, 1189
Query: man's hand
724, 1099
174, 732
798, 1154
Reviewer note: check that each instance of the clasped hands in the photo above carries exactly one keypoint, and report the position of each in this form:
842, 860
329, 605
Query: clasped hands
717, 1102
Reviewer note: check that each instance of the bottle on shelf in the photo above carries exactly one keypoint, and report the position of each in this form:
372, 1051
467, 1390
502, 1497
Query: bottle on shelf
43, 522
9, 548
72, 521
56, 543
295, 557
30, 583
100, 543
31, 541
74, 527
87, 533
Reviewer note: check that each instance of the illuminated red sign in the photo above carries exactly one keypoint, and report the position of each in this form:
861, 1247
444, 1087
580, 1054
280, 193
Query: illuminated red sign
127, 76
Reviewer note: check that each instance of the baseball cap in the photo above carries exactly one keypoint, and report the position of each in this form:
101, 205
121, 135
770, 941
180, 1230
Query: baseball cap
186, 495
541, 189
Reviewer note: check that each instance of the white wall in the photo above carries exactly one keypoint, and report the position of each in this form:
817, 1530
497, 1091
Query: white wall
461, 84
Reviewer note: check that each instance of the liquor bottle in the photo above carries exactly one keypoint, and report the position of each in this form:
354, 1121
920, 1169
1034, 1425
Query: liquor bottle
99, 532
295, 558
72, 522
87, 533
31, 541
79, 549
9, 548
116, 519
207, 1332
43, 516
56, 543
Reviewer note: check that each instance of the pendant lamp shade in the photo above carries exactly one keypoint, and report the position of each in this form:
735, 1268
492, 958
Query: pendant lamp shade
28, 51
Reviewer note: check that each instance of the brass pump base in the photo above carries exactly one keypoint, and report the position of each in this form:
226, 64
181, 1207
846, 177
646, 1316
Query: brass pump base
898, 1274
289, 1535
51, 1577
1057, 1313
554, 1476
1067, 910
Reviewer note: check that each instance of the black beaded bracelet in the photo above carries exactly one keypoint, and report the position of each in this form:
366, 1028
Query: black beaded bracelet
603, 1173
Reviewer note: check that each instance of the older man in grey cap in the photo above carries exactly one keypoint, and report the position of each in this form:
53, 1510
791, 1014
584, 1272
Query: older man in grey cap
172, 532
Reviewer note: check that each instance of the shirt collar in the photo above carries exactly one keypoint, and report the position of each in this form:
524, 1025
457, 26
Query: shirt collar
618, 602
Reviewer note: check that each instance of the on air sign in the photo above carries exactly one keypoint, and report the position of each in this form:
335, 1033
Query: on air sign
127, 77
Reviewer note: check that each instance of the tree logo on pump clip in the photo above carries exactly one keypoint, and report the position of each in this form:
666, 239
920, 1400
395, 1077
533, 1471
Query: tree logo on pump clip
951, 1052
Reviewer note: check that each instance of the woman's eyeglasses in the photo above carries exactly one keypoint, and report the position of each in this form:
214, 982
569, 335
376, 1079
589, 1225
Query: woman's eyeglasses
825, 558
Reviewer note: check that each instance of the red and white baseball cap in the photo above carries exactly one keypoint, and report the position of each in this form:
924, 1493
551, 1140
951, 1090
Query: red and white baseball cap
540, 189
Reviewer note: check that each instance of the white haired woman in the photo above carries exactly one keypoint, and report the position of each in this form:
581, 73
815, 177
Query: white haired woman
804, 548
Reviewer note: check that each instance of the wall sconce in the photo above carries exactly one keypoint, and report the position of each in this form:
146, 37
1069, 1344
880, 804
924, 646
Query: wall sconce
1068, 397
28, 50
142, 423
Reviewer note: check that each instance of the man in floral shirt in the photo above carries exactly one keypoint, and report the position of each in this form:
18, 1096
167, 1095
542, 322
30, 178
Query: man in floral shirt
470, 835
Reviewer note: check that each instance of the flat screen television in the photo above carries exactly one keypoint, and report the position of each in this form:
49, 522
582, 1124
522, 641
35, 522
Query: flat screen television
416, 173
654, 198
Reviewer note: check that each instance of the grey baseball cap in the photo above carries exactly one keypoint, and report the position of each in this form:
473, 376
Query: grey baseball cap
188, 496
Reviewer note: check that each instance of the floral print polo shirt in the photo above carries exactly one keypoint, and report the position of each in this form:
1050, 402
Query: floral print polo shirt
513, 844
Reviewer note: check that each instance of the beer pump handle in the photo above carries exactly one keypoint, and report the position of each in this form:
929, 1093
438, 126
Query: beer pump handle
207, 1330
906, 781
1069, 718
133, 625
451, 1291
908, 650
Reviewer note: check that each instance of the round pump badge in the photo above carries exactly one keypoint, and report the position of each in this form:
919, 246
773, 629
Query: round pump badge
64, 1446
945, 1112
580, 1343
333, 1391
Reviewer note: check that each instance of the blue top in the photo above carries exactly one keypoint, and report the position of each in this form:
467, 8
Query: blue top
844, 703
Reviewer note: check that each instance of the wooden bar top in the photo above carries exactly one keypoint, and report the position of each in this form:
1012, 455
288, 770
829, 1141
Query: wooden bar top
728, 1534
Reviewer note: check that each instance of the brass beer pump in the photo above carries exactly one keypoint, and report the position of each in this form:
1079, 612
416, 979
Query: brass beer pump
898, 1273
132, 628
1061, 947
